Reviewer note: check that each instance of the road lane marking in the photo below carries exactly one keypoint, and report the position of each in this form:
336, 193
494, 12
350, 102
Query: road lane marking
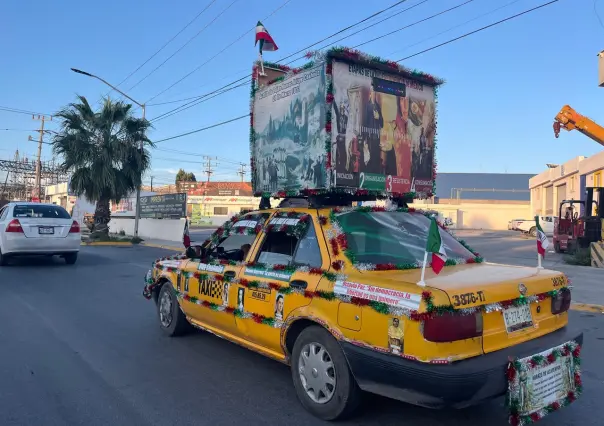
586, 307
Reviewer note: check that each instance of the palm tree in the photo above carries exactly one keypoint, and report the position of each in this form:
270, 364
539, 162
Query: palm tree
101, 151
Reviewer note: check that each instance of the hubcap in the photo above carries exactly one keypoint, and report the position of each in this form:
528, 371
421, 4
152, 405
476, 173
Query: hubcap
317, 372
165, 309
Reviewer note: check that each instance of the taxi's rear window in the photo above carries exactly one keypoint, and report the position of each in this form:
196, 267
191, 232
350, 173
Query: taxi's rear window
393, 237
39, 211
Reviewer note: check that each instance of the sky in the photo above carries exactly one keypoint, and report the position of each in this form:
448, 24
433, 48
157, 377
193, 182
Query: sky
503, 85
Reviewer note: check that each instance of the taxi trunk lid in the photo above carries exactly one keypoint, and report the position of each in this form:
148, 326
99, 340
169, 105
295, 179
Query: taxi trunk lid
490, 287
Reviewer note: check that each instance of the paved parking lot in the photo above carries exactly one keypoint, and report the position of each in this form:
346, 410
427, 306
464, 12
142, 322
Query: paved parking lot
81, 346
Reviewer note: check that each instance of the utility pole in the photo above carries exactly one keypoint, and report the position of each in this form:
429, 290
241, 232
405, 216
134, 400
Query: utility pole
209, 170
151, 183
241, 171
42, 119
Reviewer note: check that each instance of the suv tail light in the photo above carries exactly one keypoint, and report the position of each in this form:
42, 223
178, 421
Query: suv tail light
451, 327
561, 303
14, 226
75, 227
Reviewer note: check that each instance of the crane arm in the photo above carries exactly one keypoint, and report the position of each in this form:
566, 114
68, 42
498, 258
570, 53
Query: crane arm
569, 119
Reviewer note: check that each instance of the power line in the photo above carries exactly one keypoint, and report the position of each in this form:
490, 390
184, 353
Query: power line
165, 45
198, 154
186, 44
205, 128
413, 24
479, 29
454, 27
221, 51
197, 100
21, 111
299, 51
410, 56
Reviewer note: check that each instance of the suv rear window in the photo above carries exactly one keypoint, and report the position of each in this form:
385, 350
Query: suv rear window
41, 211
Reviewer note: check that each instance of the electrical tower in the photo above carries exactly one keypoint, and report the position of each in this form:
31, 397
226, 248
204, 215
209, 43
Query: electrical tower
38, 187
209, 167
241, 171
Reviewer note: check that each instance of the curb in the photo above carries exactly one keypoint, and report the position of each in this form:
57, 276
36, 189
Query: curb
161, 246
108, 243
586, 307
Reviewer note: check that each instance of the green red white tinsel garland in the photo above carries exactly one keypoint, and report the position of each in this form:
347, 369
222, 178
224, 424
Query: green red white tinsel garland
431, 310
516, 394
327, 57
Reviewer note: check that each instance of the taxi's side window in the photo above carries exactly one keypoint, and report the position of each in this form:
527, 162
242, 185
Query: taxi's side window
308, 251
283, 249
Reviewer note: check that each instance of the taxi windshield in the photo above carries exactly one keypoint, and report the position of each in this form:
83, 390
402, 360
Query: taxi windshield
393, 237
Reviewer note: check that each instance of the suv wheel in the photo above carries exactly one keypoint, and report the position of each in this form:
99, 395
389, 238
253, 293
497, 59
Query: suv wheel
323, 381
3, 259
171, 319
71, 258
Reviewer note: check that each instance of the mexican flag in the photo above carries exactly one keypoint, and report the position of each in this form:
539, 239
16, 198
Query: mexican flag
542, 241
436, 247
267, 44
186, 239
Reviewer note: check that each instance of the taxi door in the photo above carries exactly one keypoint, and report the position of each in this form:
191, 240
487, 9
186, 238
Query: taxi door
210, 283
277, 247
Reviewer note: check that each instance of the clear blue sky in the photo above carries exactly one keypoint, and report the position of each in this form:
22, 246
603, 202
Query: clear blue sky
504, 85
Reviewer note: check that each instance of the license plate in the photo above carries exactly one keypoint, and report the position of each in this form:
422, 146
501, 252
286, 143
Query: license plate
517, 318
46, 230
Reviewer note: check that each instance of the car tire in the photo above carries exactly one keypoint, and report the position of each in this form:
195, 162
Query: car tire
71, 258
557, 248
171, 318
533, 231
316, 349
3, 259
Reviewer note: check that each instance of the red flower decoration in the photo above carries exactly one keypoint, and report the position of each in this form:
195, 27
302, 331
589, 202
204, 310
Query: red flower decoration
535, 417
471, 260
229, 309
309, 294
577, 351
515, 420
337, 265
329, 98
244, 282
274, 286
196, 275
205, 303
308, 54
555, 406
279, 267
186, 297
334, 246
426, 295
571, 396
328, 127
551, 358
329, 69
323, 220
315, 271
359, 301
511, 373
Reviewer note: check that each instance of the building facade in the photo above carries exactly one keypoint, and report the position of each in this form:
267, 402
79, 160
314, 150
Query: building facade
565, 182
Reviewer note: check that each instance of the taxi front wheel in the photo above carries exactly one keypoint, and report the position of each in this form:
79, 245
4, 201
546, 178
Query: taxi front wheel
171, 319
323, 381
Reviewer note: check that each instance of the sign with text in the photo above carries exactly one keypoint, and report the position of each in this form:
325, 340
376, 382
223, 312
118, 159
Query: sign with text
397, 298
166, 206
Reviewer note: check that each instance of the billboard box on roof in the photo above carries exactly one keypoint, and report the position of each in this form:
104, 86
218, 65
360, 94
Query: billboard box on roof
345, 122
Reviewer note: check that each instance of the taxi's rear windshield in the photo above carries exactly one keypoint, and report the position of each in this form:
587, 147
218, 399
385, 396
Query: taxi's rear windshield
40, 211
393, 237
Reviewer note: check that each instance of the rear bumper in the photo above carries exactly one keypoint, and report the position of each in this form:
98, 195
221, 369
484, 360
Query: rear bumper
457, 385
32, 246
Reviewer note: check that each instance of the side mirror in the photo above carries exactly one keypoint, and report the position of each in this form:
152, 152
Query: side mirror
190, 252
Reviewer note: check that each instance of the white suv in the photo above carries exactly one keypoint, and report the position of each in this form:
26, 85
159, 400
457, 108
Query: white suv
38, 229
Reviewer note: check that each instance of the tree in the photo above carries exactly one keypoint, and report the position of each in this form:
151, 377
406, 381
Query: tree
183, 176
101, 151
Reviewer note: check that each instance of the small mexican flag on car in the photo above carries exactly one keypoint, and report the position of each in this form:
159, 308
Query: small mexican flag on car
436, 247
542, 241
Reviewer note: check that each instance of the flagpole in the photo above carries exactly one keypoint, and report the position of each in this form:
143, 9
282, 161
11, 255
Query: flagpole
421, 282
539, 261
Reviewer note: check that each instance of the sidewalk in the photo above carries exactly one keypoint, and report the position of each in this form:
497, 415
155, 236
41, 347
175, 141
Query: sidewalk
164, 244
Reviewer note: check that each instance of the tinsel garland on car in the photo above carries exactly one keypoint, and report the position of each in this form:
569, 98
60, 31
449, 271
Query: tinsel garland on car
431, 310
327, 57
516, 367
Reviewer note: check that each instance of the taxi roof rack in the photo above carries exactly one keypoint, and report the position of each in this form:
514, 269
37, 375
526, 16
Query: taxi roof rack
328, 200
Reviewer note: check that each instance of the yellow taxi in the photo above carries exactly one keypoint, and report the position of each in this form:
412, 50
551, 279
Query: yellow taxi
337, 294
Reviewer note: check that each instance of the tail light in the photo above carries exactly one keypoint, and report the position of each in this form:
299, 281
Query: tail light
14, 226
451, 327
561, 302
75, 227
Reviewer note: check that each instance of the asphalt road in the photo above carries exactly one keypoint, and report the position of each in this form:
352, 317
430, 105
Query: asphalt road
79, 345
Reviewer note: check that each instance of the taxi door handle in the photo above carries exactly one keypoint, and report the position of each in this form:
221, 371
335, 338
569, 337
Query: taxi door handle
298, 284
229, 274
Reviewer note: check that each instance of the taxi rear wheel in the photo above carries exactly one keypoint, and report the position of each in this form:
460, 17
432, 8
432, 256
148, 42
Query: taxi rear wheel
171, 319
323, 381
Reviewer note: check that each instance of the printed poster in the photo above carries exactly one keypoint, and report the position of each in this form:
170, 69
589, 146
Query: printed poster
289, 121
383, 130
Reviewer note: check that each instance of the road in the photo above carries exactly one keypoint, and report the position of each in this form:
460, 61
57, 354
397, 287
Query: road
81, 346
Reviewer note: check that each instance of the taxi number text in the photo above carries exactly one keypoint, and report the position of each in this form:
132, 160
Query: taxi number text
468, 298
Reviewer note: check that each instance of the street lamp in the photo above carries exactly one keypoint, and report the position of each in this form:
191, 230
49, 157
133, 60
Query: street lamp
138, 189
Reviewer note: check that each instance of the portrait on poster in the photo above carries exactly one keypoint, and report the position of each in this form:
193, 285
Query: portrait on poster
396, 336
384, 129
225, 294
240, 298
279, 305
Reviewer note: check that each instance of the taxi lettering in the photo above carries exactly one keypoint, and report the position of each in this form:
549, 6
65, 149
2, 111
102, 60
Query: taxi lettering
210, 288
468, 298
